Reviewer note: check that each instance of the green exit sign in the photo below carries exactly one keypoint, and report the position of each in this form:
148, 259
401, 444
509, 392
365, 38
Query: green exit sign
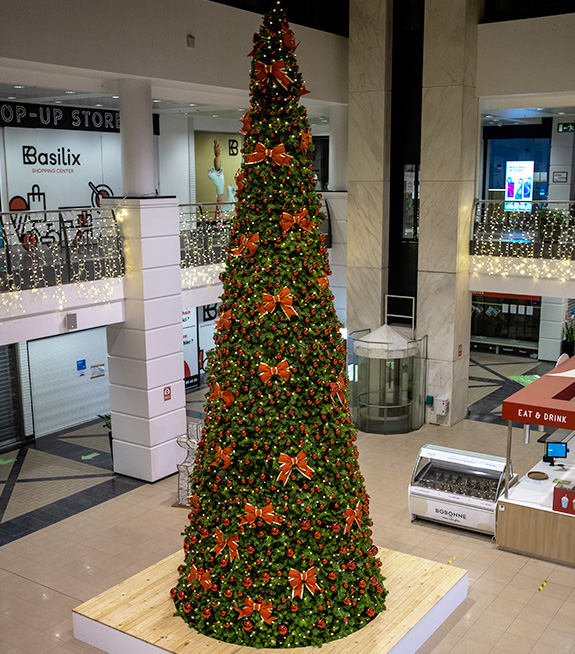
566, 127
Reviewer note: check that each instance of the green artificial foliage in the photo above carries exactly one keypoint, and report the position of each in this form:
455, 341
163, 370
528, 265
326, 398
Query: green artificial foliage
278, 551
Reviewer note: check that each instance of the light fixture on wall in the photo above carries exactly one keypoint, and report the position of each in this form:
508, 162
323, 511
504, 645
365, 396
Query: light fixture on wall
191, 41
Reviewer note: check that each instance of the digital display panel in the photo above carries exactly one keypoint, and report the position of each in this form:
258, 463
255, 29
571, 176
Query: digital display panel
519, 185
556, 450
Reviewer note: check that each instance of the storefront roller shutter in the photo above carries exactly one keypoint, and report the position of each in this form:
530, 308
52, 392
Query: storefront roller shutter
9, 394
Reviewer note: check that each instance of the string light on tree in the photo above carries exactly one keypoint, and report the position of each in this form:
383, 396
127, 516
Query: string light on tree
278, 550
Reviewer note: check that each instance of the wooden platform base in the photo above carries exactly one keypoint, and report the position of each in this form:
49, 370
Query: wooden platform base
137, 615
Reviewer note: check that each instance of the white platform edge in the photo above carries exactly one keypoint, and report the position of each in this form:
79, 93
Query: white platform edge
113, 641
433, 619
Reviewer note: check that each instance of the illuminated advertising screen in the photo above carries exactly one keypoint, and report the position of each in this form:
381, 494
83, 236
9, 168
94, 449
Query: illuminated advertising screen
519, 185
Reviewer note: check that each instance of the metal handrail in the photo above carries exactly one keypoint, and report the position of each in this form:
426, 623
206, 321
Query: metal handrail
545, 231
44, 248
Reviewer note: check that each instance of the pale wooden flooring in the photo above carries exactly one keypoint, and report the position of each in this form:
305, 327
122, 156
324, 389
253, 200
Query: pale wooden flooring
44, 575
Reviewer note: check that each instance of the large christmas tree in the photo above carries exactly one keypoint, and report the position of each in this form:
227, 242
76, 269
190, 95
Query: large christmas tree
278, 549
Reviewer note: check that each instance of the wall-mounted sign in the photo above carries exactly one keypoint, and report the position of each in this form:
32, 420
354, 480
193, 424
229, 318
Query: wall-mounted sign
167, 393
519, 185
81, 367
77, 119
15, 114
565, 127
560, 176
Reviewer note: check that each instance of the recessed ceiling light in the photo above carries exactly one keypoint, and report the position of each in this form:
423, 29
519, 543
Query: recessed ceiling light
115, 97
156, 100
70, 92
561, 113
539, 108
215, 115
488, 116
19, 86
192, 104
11, 97
57, 101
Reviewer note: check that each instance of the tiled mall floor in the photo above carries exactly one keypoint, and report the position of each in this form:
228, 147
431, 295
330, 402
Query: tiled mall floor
43, 575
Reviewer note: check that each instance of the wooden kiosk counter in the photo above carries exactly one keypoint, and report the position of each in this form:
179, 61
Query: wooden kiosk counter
526, 520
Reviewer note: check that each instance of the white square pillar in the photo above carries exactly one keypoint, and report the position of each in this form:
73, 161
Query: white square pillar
145, 356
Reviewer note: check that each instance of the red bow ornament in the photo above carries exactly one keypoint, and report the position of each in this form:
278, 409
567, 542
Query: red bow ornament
256, 41
288, 220
351, 516
239, 178
225, 321
288, 38
247, 246
276, 154
223, 455
284, 298
231, 543
246, 122
303, 91
265, 610
267, 514
338, 390
301, 580
202, 577
287, 463
281, 370
277, 70
226, 396
305, 140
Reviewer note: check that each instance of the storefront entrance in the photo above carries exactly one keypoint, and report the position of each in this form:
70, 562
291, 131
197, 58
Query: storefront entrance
10, 414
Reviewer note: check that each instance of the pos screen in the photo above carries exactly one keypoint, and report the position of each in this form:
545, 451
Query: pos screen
556, 450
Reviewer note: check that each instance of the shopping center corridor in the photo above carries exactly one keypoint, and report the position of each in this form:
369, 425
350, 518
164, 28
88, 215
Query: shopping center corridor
47, 572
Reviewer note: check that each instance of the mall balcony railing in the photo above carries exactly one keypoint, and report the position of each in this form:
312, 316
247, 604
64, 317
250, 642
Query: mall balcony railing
542, 230
39, 249
205, 230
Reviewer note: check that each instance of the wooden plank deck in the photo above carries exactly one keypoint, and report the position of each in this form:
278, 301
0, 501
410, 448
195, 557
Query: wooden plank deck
137, 615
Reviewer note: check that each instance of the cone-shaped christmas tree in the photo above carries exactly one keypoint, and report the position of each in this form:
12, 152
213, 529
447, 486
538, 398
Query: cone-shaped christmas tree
278, 549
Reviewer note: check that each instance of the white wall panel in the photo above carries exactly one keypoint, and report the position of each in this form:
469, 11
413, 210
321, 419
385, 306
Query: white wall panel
61, 398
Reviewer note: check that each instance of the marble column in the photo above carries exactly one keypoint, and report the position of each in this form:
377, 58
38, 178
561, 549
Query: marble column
450, 133
338, 135
368, 158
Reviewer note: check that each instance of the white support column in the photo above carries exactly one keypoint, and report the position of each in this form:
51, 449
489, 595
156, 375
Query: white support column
137, 136
146, 365
338, 131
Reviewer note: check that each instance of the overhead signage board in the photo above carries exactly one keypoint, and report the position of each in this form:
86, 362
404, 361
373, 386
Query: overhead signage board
18, 114
519, 185
76, 119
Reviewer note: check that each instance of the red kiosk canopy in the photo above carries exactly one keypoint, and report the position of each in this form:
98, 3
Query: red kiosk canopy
548, 401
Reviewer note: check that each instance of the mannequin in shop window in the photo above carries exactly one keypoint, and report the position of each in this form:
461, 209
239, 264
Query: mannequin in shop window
216, 174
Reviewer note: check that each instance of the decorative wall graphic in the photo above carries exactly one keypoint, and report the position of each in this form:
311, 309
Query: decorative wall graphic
278, 551
89, 166
33, 224
98, 192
